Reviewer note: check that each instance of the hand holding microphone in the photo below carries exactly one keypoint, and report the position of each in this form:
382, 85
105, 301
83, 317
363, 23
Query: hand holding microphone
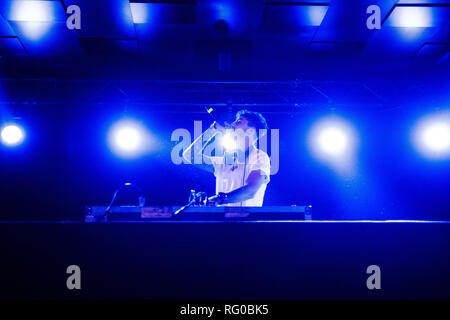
221, 126
219, 198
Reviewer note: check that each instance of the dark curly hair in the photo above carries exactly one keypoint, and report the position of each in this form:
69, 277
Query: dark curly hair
255, 119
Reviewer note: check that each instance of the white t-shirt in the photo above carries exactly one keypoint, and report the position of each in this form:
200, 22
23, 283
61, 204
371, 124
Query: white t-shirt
232, 175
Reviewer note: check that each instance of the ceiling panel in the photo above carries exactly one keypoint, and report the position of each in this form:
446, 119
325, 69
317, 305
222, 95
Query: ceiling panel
432, 51
5, 28
10, 46
230, 19
346, 50
397, 43
445, 58
418, 16
291, 17
423, 2
163, 13
346, 21
34, 10
108, 19
47, 38
107, 47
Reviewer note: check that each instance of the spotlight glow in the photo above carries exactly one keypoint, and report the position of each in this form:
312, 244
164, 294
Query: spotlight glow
36, 11
12, 135
35, 19
432, 136
141, 12
314, 15
222, 10
229, 142
128, 139
333, 141
437, 137
411, 17
35, 30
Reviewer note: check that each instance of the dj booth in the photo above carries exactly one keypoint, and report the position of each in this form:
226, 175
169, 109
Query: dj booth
230, 254
198, 213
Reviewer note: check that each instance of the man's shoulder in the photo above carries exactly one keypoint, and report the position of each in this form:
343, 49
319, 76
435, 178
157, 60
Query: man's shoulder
258, 155
216, 160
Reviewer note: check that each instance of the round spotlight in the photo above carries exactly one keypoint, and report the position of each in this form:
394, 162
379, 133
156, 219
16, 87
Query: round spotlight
229, 142
332, 138
128, 139
437, 137
333, 141
12, 135
432, 136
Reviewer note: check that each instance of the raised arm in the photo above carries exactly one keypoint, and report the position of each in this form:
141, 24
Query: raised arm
193, 152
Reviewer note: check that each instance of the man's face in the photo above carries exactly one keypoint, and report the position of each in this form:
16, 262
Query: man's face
240, 123
243, 130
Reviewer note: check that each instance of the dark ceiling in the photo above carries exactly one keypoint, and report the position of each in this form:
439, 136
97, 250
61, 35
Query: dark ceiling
262, 54
223, 39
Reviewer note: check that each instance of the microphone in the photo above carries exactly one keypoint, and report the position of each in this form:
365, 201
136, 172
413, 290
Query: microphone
141, 198
212, 113
209, 141
214, 198
215, 116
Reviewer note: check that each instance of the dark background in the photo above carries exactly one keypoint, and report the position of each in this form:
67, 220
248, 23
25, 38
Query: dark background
69, 87
66, 164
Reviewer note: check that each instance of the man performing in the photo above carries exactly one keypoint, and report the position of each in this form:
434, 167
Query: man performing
241, 174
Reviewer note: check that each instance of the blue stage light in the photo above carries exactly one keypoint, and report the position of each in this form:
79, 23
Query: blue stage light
35, 19
141, 12
417, 15
36, 11
313, 14
411, 17
333, 141
129, 139
35, 30
12, 135
432, 136
332, 138
222, 10
229, 142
